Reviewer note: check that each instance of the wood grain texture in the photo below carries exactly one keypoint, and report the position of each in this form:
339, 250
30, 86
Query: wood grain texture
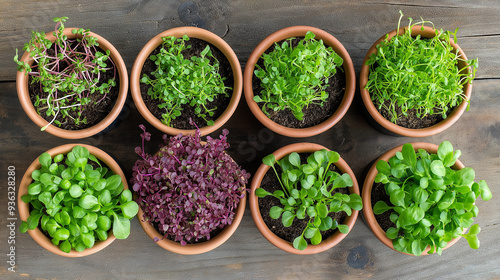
243, 23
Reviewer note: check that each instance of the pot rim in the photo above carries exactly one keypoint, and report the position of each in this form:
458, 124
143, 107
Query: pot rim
192, 32
274, 239
197, 248
455, 114
368, 214
29, 109
295, 31
37, 234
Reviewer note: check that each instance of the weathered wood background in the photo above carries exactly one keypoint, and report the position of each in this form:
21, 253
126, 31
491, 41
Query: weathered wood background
129, 24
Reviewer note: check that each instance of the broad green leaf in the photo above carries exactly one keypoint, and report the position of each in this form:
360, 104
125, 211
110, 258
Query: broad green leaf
332, 156
485, 190
269, 160
300, 243
410, 216
87, 201
437, 168
121, 226
260, 192
45, 160
130, 209
294, 159
343, 229
61, 234
380, 207
418, 247
392, 233
322, 210
316, 239
409, 155
383, 167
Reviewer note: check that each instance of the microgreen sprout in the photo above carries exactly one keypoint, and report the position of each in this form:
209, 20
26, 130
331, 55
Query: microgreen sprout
295, 77
307, 193
188, 189
415, 73
68, 72
178, 81
76, 204
432, 203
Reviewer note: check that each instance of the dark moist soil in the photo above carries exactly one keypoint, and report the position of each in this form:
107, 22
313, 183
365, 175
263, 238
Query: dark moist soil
410, 121
94, 113
378, 194
213, 233
270, 183
220, 102
314, 114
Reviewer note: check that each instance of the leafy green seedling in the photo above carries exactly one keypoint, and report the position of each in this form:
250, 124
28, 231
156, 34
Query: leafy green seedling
432, 202
307, 193
178, 81
76, 204
415, 73
295, 77
68, 71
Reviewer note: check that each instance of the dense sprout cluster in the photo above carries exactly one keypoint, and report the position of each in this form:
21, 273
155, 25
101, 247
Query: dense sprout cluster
188, 189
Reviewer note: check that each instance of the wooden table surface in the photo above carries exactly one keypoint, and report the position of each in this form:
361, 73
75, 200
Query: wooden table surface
243, 24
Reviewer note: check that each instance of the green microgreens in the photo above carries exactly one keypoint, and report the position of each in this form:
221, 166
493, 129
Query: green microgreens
68, 75
432, 202
178, 81
307, 194
414, 73
294, 78
76, 204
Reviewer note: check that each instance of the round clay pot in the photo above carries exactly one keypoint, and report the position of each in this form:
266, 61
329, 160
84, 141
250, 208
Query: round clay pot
198, 248
300, 31
381, 123
273, 238
368, 214
104, 124
24, 208
192, 32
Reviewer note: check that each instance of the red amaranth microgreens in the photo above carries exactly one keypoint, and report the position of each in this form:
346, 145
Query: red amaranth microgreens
188, 189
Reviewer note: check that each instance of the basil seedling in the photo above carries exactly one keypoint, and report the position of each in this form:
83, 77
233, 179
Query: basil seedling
76, 204
307, 193
432, 203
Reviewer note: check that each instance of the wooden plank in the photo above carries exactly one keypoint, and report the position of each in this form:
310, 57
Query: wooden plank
247, 255
129, 25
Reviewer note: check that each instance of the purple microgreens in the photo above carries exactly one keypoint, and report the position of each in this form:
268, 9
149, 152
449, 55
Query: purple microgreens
188, 189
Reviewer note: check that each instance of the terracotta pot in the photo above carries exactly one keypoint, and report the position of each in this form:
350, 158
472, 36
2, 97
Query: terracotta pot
192, 32
368, 214
273, 238
300, 31
106, 123
198, 248
379, 122
24, 211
